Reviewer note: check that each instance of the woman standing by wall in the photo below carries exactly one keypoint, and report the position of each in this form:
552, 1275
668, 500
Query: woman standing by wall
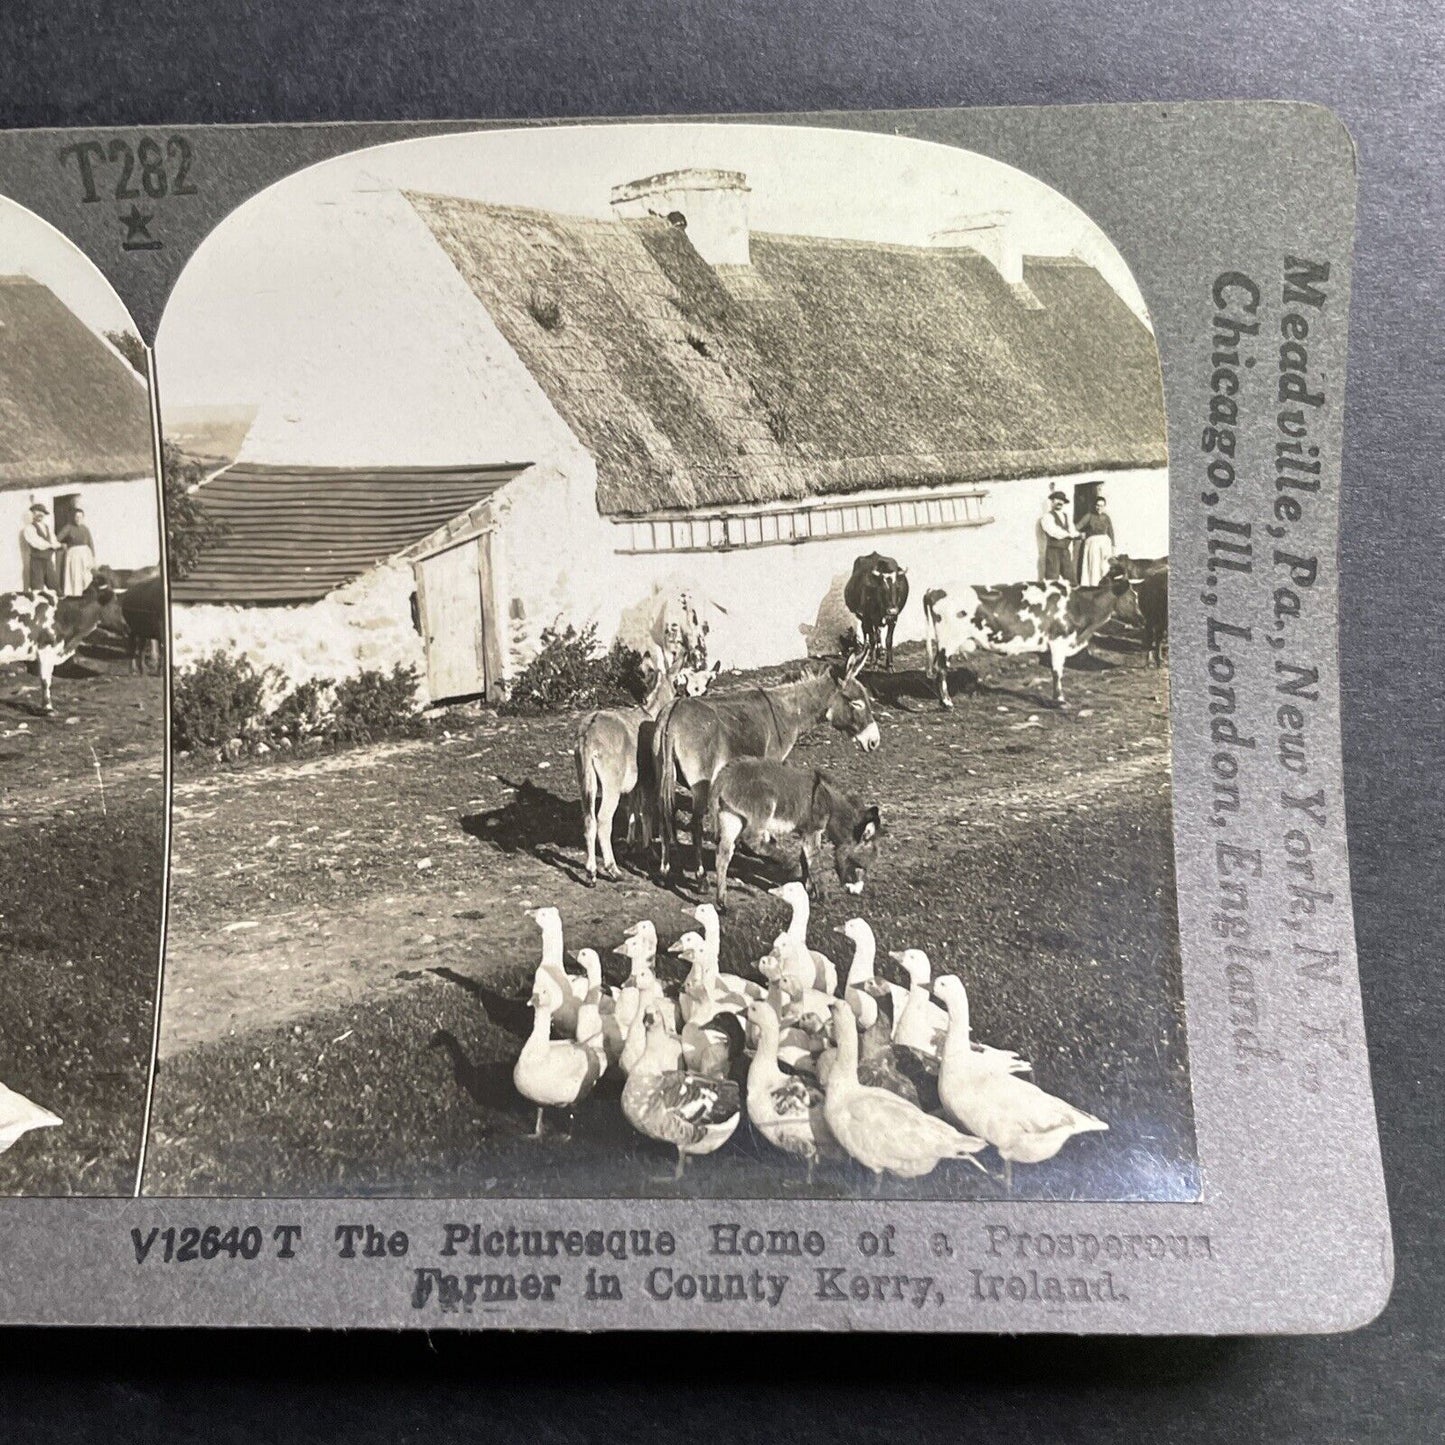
1097, 530
79, 554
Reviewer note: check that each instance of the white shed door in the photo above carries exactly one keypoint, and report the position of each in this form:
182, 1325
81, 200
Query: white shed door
449, 587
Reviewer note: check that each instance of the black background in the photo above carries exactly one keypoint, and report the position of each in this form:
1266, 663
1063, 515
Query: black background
1380, 67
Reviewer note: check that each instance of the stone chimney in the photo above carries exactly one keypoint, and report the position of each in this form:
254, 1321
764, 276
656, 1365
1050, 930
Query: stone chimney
711, 206
991, 235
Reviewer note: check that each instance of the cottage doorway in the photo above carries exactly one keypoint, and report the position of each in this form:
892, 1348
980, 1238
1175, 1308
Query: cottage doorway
1085, 495
451, 588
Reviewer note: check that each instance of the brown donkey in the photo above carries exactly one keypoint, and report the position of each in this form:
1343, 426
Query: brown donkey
699, 737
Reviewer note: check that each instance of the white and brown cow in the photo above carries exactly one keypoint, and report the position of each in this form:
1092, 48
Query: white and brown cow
42, 628
1023, 617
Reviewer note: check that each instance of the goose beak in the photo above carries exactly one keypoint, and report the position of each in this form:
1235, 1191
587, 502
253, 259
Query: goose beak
896, 957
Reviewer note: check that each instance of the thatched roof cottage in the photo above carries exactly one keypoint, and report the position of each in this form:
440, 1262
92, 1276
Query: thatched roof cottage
666, 398
75, 430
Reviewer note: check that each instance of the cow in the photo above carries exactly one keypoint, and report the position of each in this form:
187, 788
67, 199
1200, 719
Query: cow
875, 594
45, 629
1152, 595
143, 605
613, 754
757, 800
699, 737
1023, 617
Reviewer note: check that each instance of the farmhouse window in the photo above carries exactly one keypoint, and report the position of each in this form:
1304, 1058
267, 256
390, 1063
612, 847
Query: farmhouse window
721, 531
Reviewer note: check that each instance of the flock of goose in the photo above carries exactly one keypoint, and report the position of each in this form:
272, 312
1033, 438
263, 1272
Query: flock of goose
882, 1074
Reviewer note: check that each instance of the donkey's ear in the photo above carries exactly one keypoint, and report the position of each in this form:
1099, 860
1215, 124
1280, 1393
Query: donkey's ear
854, 665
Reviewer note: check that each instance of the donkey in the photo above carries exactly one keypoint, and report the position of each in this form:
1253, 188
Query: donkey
699, 737
613, 753
755, 799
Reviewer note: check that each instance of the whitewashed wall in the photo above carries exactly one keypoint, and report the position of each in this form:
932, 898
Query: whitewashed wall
770, 604
122, 517
366, 624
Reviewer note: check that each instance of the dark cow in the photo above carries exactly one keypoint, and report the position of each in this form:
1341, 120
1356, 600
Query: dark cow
875, 594
1023, 617
143, 605
1139, 568
42, 628
759, 799
697, 737
1152, 594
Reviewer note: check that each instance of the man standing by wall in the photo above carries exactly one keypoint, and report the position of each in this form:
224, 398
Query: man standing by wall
1059, 537
41, 549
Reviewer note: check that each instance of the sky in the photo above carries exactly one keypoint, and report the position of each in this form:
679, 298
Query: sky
290, 302
30, 246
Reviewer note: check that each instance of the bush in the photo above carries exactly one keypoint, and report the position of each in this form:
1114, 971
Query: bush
374, 705
216, 700
305, 712
568, 673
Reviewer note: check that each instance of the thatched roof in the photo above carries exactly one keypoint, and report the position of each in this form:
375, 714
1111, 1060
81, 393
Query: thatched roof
71, 409
293, 534
827, 366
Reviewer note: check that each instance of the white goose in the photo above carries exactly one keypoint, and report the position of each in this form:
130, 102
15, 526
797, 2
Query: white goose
795, 895
639, 947
860, 971
555, 1073
706, 991
880, 1130
18, 1116
604, 1001
786, 1110
1017, 1117
923, 1024
692, 1112
650, 1000
571, 992
789, 964
707, 915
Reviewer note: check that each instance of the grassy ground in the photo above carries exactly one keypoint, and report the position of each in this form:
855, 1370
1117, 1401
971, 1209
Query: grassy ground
82, 827
349, 956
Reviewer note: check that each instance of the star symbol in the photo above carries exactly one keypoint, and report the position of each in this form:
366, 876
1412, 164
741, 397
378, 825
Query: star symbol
137, 225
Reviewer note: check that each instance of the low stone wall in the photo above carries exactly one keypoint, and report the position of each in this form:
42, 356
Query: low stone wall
365, 625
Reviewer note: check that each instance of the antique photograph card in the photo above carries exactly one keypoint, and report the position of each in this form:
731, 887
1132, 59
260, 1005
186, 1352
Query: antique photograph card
750, 717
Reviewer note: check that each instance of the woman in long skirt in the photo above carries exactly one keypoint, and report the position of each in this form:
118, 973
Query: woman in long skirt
79, 555
1097, 530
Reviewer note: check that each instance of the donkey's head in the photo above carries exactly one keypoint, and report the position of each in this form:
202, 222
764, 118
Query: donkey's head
850, 709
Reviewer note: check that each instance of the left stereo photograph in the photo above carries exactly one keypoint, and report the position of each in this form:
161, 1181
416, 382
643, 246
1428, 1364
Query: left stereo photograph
82, 722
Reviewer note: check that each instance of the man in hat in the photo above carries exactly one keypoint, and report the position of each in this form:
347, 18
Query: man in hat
41, 549
1057, 527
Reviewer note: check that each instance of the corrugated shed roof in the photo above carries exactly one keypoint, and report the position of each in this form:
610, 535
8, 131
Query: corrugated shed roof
293, 534
71, 409
827, 366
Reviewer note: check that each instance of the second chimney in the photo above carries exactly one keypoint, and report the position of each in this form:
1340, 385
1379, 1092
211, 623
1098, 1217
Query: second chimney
711, 206
991, 235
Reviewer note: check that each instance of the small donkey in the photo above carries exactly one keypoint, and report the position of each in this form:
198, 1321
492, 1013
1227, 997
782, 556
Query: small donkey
756, 800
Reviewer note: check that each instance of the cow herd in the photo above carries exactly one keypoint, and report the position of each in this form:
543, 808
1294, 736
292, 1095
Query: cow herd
44, 630
730, 751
